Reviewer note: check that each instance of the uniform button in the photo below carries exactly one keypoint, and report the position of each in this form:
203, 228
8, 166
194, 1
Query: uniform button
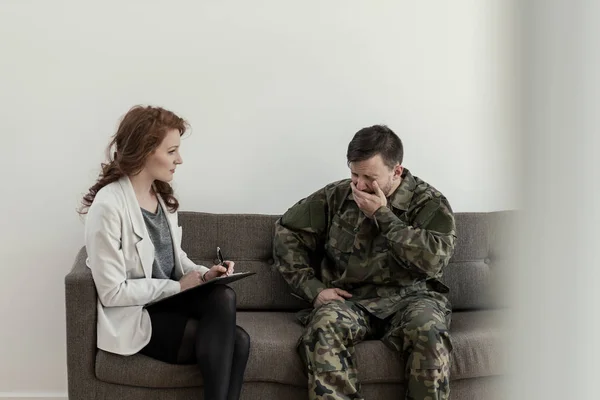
487, 260
216, 261
356, 230
271, 261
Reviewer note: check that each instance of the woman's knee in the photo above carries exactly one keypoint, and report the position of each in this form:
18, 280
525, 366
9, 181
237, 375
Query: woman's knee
224, 293
220, 300
219, 297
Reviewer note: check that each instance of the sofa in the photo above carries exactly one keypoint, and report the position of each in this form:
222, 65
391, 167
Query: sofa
476, 276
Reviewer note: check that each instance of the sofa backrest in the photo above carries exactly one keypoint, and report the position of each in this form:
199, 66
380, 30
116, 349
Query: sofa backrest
474, 274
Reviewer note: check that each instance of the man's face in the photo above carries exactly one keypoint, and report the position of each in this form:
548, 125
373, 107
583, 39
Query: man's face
364, 173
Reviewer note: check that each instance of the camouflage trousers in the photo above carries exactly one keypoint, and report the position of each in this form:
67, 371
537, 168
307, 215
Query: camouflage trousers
419, 330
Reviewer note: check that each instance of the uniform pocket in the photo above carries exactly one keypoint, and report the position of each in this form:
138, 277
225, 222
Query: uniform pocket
341, 238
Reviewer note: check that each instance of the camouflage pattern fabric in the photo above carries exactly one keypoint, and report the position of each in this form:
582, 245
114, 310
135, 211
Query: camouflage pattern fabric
326, 241
419, 330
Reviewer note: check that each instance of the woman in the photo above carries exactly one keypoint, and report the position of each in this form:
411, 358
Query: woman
133, 243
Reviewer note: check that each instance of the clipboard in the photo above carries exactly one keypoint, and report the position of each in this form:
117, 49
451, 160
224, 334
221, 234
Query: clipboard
219, 280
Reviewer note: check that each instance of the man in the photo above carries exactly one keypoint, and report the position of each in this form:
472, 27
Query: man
383, 237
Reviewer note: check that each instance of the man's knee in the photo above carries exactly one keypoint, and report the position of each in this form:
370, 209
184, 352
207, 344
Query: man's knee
422, 324
427, 340
330, 319
326, 344
329, 336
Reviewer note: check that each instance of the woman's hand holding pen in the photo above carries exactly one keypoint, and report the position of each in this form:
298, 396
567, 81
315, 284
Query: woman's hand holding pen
219, 270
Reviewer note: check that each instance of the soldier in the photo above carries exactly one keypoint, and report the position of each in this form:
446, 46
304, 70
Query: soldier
380, 240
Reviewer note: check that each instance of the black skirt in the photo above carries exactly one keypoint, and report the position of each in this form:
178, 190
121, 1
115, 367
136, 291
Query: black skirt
169, 320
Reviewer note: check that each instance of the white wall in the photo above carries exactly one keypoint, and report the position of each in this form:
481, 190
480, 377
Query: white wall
273, 90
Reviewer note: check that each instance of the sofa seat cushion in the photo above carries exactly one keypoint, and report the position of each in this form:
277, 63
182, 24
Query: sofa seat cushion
477, 337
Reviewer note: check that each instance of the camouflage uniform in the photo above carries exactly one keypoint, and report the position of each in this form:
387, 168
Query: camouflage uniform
391, 264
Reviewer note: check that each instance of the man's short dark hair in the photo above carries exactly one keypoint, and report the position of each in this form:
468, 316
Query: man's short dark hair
376, 139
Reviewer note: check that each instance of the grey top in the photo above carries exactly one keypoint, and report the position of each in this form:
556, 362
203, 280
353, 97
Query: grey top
158, 229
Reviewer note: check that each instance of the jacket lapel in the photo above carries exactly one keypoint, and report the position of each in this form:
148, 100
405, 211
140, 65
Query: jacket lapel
144, 245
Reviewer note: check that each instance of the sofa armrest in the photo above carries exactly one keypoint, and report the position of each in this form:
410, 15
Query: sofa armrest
81, 318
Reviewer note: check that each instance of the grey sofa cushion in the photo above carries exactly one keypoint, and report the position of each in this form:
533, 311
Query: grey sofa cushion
477, 338
474, 274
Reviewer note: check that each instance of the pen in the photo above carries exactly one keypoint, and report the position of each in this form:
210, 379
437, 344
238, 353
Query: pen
221, 259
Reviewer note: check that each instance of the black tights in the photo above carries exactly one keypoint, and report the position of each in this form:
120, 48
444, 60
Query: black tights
221, 348
200, 327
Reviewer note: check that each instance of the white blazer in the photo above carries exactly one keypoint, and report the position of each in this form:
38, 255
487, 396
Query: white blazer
120, 255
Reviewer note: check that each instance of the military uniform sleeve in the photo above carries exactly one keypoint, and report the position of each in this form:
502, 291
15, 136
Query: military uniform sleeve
427, 243
298, 234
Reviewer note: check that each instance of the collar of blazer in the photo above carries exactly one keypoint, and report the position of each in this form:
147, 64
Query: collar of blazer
144, 246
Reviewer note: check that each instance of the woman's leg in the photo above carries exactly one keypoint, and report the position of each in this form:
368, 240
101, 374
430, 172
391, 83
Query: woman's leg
241, 351
215, 310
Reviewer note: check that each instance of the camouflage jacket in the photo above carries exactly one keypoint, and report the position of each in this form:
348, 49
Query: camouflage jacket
326, 241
